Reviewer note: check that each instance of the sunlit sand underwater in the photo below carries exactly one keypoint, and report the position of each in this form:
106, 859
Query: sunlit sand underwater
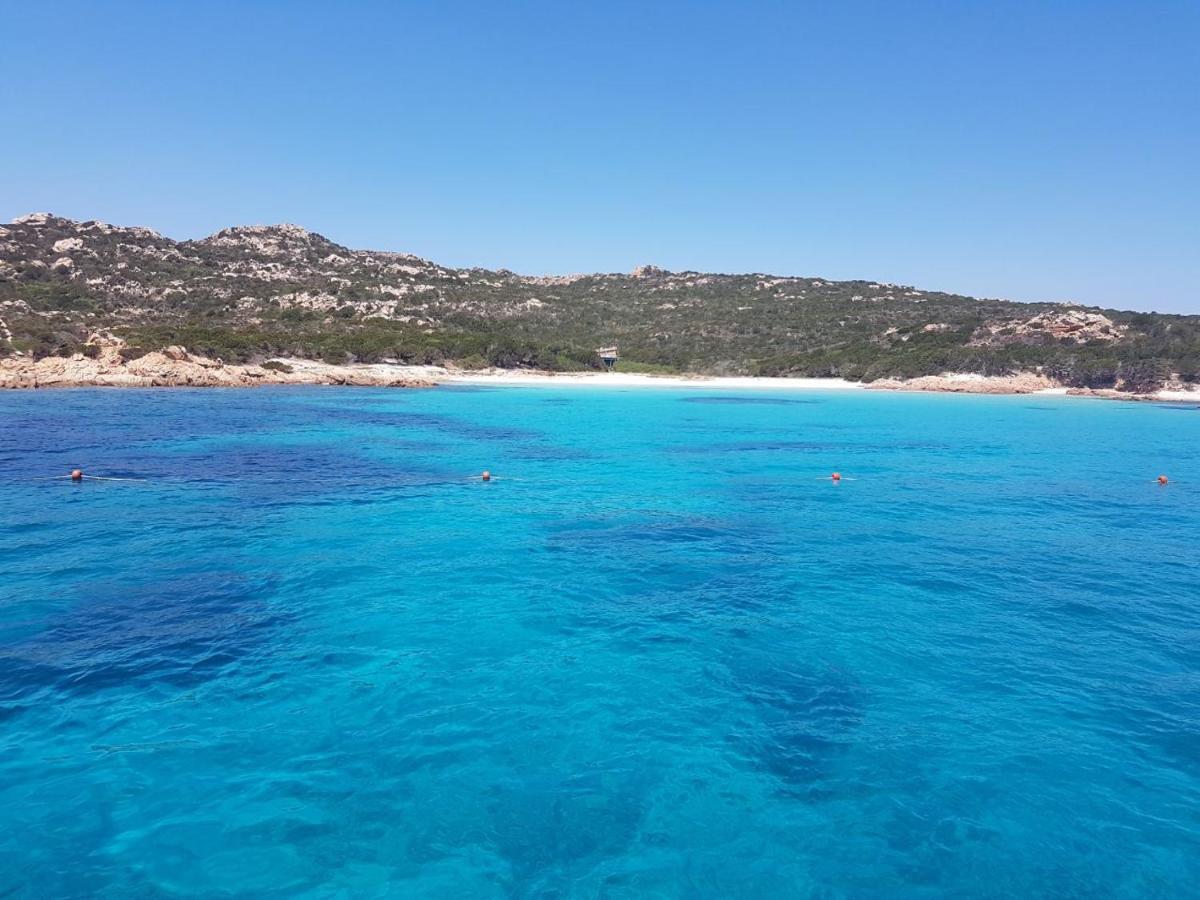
661, 654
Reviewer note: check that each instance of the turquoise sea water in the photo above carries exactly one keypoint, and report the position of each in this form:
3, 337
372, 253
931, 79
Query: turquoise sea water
661, 657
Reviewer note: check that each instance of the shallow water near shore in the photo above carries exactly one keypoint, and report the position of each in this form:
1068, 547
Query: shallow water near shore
661, 655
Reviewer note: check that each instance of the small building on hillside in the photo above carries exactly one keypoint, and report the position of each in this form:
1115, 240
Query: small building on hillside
608, 356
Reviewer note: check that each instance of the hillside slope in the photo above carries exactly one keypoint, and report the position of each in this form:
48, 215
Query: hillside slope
247, 293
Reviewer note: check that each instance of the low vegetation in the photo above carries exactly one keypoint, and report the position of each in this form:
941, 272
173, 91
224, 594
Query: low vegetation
248, 294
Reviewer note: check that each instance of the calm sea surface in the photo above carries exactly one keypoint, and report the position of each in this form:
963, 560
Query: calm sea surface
660, 657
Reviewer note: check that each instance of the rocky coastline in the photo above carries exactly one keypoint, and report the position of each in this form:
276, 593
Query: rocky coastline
176, 367
1029, 383
108, 364
964, 383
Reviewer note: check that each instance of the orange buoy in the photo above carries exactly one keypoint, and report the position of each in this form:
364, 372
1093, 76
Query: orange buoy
836, 476
1163, 480
77, 474
486, 476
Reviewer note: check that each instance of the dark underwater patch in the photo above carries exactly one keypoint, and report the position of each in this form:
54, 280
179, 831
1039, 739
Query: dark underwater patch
1164, 718
693, 532
667, 531
181, 631
462, 428
278, 418
751, 401
546, 823
807, 718
274, 474
777, 446
551, 453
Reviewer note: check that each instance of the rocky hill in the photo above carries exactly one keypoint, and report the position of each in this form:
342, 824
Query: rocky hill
251, 292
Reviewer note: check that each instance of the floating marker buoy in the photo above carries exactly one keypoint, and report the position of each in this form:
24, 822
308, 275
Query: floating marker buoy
486, 476
77, 474
1163, 480
836, 476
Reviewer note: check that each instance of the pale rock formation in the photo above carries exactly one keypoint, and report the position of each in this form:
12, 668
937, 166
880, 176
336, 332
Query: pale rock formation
1074, 325
956, 383
175, 367
37, 218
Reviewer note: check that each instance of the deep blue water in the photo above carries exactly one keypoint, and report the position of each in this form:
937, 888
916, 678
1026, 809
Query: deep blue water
661, 657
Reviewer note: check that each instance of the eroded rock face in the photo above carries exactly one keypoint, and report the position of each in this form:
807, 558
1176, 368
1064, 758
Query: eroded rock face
175, 367
1074, 326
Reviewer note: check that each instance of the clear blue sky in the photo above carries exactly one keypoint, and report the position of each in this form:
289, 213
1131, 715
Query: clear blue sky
1042, 150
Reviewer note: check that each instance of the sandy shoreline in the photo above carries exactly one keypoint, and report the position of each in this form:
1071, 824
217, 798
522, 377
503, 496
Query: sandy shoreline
511, 378
958, 383
175, 367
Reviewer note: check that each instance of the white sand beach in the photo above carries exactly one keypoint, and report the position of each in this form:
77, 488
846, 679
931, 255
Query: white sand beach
519, 378
956, 383
949, 383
